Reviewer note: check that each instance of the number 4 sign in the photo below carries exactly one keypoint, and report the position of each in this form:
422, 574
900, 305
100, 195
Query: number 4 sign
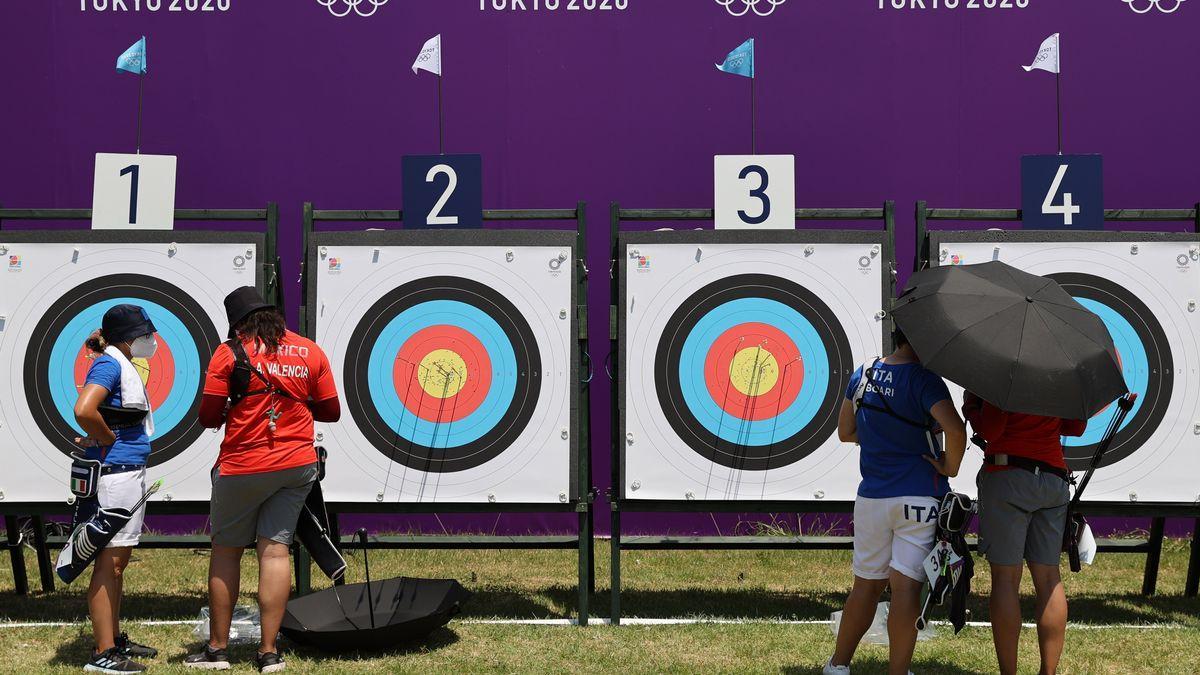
1062, 192
755, 192
442, 191
133, 192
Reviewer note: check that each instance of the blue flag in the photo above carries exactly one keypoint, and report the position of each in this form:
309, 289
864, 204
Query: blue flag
740, 61
134, 58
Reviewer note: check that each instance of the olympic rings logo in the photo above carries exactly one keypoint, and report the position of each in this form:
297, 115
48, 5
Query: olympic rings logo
762, 7
1153, 4
341, 8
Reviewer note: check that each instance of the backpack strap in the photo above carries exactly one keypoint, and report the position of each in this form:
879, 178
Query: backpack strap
860, 399
243, 372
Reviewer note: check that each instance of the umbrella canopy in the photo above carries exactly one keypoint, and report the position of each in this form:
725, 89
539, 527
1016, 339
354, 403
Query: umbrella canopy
1018, 340
373, 616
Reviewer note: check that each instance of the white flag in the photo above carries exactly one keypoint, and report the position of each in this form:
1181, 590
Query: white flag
430, 58
1048, 58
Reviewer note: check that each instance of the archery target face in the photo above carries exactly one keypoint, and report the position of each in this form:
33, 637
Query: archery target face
1143, 299
55, 296
737, 358
455, 366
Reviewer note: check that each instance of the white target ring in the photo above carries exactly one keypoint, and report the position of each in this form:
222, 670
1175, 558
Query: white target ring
456, 366
55, 295
1142, 290
736, 357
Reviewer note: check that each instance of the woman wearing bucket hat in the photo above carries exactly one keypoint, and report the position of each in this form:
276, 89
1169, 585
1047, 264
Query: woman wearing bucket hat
267, 385
113, 409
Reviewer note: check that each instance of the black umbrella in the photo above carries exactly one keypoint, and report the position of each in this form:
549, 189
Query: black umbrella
1018, 340
374, 615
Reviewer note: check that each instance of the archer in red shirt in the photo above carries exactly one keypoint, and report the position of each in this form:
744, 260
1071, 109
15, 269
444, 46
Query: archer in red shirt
298, 368
1030, 436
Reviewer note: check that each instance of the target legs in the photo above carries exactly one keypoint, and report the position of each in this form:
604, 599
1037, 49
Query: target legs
1193, 573
17, 553
45, 565
1150, 577
615, 563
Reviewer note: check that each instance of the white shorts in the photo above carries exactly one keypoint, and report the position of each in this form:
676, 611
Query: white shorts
123, 490
893, 534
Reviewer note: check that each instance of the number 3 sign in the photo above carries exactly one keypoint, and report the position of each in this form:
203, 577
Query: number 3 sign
133, 192
442, 191
755, 192
1062, 192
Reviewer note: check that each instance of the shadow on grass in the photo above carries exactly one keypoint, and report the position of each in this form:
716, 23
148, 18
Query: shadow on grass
70, 604
439, 639
874, 664
561, 601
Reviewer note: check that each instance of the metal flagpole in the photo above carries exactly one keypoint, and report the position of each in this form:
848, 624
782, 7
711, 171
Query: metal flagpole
441, 122
141, 79
1058, 107
1058, 91
753, 134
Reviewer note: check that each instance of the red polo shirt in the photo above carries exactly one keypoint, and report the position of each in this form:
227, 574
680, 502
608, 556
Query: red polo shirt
1030, 436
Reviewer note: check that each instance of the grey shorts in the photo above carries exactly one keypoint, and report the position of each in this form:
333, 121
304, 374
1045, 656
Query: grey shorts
1022, 516
257, 506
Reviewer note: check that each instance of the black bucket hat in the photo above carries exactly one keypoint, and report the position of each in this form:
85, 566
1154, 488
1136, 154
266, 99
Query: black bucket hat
124, 323
242, 303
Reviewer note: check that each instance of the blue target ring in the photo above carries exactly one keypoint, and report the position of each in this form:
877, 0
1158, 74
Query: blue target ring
1146, 363
183, 349
1134, 366
757, 439
383, 407
709, 412
50, 387
451, 313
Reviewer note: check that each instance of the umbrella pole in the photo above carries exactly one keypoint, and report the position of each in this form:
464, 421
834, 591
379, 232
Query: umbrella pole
362, 539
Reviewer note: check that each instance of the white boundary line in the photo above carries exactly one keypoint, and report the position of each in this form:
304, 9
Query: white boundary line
639, 622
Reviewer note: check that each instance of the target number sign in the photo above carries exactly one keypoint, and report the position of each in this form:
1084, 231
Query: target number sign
755, 192
443, 191
134, 192
1062, 192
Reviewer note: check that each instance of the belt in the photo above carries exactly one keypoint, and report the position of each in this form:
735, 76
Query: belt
1031, 465
109, 469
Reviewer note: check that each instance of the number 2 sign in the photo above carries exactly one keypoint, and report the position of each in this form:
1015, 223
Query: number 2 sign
133, 192
755, 192
1062, 192
442, 191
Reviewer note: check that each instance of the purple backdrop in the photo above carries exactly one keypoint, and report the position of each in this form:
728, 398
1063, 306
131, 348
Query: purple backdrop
279, 100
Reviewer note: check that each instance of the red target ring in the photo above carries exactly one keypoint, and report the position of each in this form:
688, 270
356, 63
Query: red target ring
442, 373
753, 371
158, 381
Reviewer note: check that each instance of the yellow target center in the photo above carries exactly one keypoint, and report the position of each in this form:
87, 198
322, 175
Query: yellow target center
443, 373
754, 371
143, 368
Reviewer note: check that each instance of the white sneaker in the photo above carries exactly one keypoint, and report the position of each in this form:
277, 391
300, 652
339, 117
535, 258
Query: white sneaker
831, 669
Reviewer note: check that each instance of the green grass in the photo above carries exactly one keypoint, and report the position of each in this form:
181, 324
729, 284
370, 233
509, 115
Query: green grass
761, 586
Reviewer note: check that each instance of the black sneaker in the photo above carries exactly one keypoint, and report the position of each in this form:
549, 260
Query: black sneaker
270, 662
112, 661
130, 648
208, 659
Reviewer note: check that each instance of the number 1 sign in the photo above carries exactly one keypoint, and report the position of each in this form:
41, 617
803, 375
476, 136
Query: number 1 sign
134, 192
442, 191
755, 192
1062, 192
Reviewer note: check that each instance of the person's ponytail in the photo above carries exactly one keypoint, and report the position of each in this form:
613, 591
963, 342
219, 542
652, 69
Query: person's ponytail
96, 342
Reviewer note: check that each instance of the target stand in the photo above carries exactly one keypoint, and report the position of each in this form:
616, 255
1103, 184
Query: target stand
458, 355
733, 350
1146, 288
58, 284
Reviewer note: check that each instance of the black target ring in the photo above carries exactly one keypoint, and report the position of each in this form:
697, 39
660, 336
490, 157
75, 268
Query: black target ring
196, 322
785, 451
390, 440
1152, 407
